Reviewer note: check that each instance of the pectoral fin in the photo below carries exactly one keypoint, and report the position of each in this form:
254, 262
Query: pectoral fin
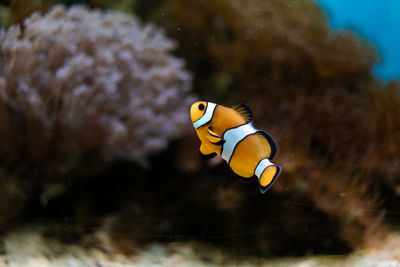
214, 138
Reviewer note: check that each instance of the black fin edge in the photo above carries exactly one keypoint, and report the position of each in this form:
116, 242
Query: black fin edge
272, 143
208, 156
264, 189
219, 143
244, 180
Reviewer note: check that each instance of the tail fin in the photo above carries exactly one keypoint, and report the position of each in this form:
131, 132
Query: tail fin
267, 173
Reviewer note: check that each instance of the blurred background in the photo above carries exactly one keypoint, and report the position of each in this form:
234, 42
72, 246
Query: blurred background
99, 162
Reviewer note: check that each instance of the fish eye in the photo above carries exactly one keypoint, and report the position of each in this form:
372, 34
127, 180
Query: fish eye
201, 106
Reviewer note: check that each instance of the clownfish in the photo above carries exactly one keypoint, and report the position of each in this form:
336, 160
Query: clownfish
229, 133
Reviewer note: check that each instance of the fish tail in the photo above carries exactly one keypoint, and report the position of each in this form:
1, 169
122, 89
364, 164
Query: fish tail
268, 175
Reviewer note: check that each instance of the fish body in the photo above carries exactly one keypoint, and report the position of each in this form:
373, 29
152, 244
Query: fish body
229, 133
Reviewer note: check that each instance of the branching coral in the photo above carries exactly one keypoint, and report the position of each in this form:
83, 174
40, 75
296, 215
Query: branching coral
84, 69
273, 44
311, 88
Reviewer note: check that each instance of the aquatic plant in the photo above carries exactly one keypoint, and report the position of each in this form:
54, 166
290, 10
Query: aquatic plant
17, 10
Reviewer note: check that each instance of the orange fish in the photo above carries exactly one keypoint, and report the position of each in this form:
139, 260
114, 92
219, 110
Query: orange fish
229, 133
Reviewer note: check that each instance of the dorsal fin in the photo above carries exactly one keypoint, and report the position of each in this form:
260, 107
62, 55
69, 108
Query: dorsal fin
244, 111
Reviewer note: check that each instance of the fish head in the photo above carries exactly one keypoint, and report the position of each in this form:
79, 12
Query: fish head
197, 110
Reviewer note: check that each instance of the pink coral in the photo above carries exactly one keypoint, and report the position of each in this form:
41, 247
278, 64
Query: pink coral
97, 71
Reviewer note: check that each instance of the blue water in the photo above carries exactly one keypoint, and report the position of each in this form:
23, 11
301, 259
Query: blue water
376, 21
